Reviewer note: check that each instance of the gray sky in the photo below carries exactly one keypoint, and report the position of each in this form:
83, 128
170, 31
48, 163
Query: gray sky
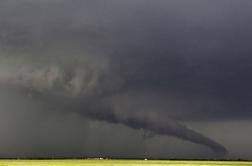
161, 79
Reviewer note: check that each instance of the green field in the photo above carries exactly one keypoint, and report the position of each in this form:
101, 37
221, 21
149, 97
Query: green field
118, 162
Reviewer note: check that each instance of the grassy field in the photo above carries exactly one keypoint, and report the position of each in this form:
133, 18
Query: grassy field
118, 162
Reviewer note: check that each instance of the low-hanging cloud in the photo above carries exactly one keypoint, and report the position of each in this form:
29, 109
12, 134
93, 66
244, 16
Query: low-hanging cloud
82, 81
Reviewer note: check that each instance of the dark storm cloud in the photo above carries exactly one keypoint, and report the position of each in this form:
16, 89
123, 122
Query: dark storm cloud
172, 60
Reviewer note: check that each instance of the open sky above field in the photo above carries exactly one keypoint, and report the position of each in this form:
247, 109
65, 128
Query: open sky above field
126, 78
